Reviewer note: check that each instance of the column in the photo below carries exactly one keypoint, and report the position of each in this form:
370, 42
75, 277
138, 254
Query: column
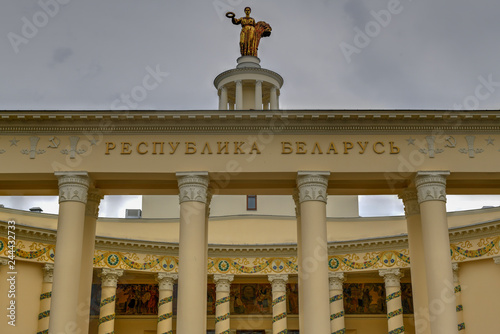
393, 298
299, 252
418, 271
207, 215
191, 314
165, 301
87, 262
274, 98
258, 95
222, 289
337, 319
109, 278
239, 95
431, 190
278, 284
313, 267
45, 296
458, 297
73, 187
223, 98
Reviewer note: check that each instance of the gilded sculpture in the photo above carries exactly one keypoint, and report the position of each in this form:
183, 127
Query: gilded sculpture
251, 32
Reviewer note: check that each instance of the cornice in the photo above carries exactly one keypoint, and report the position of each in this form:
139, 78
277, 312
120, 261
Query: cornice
248, 70
248, 121
474, 231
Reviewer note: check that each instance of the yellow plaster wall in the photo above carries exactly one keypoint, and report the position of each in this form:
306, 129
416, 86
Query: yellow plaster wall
480, 281
28, 288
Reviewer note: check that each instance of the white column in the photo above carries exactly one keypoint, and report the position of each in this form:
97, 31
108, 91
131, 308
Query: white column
239, 95
431, 189
109, 278
258, 95
222, 303
274, 98
313, 267
299, 253
458, 297
418, 271
73, 188
337, 319
223, 98
165, 310
392, 279
278, 284
87, 263
45, 297
192, 300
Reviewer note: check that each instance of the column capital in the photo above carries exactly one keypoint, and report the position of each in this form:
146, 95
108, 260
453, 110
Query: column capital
455, 268
192, 186
73, 186
223, 282
431, 185
312, 186
336, 280
278, 282
259, 82
496, 260
48, 273
93, 200
166, 281
4, 261
410, 201
210, 194
238, 82
392, 277
110, 277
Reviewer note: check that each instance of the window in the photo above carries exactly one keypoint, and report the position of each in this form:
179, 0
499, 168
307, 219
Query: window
252, 202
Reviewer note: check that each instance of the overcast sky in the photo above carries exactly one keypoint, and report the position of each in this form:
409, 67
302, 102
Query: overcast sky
427, 54
333, 54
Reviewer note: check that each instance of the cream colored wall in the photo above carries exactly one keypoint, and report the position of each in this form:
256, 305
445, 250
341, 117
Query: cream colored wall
167, 206
28, 288
480, 281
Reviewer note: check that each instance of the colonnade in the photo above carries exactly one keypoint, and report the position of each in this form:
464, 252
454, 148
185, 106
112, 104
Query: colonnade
272, 103
320, 309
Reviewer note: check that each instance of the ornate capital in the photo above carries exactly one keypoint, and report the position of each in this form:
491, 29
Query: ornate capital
278, 282
496, 260
4, 262
209, 201
431, 186
223, 282
110, 277
193, 186
297, 202
410, 201
312, 186
337, 280
392, 277
48, 273
73, 186
93, 200
166, 281
455, 268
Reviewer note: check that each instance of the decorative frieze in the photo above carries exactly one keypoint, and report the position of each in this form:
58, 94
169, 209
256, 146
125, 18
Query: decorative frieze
431, 186
73, 186
312, 186
193, 187
410, 201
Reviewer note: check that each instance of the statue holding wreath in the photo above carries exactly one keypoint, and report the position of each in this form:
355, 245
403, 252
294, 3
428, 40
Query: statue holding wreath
251, 32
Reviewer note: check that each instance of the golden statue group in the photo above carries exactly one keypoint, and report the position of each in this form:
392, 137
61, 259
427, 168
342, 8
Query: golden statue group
251, 32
